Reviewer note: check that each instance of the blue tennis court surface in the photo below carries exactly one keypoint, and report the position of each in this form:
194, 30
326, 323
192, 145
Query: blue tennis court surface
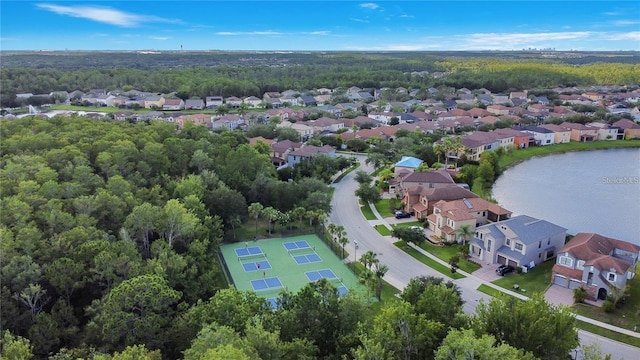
248, 251
294, 245
255, 266
320, 274
308, 258
267, 283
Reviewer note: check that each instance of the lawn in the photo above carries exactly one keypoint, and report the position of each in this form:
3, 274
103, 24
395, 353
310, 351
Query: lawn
367, 212
595, 329
445, 270
345, 173
483, 288
388, 295
383, 230
407, 224
537, 280
627, 316
446, 252
383, 208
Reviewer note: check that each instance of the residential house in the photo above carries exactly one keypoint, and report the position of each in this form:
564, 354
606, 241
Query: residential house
406, 163
630, 128
308, 101
213, 102
520, 140
293, 100
273, 103
561, 135
449, 216
153, 101
498, 109
280, 151
230, 121
596, 263
233, 102
325, 124
427, 179
519, 241
383, 117
195, 104
499, 99
308, 151
419, 200
541, 136
605, 131
304, 130
252, 101
197, 119
173, 104
476, 143
580, 132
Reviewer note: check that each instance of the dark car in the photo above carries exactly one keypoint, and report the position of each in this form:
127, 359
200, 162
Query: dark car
503, 270
402, 215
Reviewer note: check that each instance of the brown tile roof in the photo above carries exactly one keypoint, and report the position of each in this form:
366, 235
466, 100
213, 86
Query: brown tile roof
432, 176
596, 250
568, 272
419, 207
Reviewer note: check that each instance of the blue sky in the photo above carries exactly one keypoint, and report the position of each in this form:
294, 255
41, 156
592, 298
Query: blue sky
319, 25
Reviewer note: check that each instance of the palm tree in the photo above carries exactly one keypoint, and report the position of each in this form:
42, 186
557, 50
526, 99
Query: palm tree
464, 232
235, 221
380, 271
272, 216
343, 240
368, 259
331, 228
368, 278
255, 210
243, 109
299, 212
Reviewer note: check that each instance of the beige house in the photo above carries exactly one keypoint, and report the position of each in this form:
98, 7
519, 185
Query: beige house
631, 129
154, 101
420, 200
449, 216
561, 134
580, 132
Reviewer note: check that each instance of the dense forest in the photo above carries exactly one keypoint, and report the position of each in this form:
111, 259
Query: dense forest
109, 234
252, 74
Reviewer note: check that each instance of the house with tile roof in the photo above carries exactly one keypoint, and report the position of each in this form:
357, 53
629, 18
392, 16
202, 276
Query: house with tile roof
308, 151
419, 200
428, 179
580, 132
595, 263
518, 241
213, 102
196, 104
173, 104
449, 216
561, 134
630, 128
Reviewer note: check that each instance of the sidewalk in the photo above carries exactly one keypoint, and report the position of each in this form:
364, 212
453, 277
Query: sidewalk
472, 281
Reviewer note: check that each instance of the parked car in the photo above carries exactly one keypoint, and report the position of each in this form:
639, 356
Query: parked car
402, 215
503, 270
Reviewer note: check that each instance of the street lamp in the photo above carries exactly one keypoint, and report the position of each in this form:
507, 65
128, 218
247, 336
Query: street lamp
355, 253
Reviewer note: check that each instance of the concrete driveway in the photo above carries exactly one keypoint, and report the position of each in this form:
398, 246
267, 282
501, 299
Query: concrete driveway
488, 272
558, 295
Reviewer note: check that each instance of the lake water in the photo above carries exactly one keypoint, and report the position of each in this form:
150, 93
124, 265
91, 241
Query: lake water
588, 191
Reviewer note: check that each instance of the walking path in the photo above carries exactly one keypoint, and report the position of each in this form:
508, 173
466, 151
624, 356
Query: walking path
472, 281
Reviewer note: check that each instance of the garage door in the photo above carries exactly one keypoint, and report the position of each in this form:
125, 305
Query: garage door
573, 284
559, 280
513, 263
502, 260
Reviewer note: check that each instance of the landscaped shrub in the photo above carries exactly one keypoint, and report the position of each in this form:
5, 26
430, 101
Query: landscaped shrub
608, 306
579, 295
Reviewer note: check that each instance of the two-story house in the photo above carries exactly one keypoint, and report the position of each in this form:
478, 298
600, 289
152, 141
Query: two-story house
308, 151
595, 263
519, 241
419, 200
580, 132
561, 135
427, 179
449, 216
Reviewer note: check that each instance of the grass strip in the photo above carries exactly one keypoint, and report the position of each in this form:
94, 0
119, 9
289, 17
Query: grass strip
367, 212
383, 230
595, 329
445, 270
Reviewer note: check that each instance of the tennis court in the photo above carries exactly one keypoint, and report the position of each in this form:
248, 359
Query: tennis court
292, 263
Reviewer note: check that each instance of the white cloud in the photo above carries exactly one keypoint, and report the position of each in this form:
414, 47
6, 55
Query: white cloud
161, 38
371, 6
625, 22
406, 16
501, 41
322, 32
633, 36
359, 20
104, 15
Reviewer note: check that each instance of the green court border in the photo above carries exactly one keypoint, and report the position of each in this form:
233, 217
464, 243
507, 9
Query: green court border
291, 274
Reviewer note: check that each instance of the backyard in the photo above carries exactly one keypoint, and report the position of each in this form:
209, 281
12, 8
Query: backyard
446, 252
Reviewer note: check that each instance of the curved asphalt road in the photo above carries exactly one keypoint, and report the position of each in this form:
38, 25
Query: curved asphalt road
402, 267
